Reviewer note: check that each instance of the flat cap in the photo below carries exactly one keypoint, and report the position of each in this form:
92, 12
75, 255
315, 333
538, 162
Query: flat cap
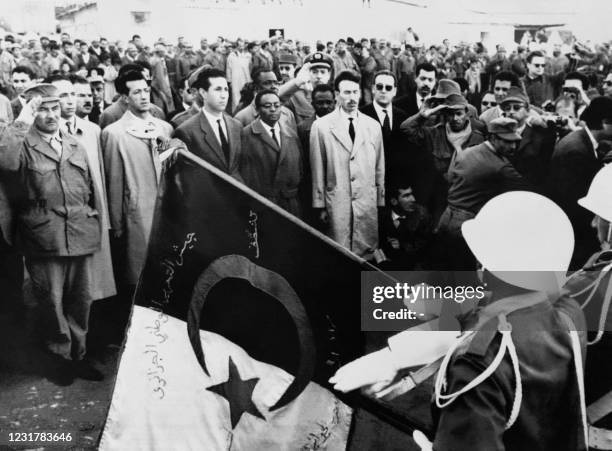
505, 128
319, 59
47, 91
447, 87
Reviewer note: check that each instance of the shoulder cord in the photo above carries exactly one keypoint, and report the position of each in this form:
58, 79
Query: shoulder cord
577, 352
606, 301
507, 344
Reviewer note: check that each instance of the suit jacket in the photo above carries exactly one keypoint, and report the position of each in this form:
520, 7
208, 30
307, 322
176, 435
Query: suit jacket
162, 83
274, 172
573, 166
197, 133
348, 179
395, 151
407, 103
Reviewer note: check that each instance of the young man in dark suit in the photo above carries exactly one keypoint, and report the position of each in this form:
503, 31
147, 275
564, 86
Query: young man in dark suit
405, 230
384, 89
213, 135
425, 81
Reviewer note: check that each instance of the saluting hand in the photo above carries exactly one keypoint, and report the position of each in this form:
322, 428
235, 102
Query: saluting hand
302, 79
28, 112
428, 112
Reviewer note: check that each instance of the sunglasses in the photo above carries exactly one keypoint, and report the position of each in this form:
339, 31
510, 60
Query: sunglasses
608, 82
512, 107
489, 103
538, 65
380, 87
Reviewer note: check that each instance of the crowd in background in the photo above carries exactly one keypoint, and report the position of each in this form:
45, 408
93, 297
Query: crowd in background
386, 147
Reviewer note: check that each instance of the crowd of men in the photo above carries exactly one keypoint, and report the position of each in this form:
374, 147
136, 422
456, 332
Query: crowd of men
387, 148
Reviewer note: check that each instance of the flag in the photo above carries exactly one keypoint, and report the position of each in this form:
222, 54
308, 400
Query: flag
242, 313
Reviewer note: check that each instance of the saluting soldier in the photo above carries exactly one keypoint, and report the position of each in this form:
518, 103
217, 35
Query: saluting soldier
57, 227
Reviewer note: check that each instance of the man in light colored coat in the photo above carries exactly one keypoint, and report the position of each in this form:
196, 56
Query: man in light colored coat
133, 171
348, 170
88, 134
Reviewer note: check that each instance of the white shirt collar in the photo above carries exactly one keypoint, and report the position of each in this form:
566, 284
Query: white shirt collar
592, 138
346, 116
381, 114
212, 118
395, 216
276, 128
419, 101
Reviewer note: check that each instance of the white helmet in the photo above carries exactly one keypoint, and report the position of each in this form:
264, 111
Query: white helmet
599, 198
525, 239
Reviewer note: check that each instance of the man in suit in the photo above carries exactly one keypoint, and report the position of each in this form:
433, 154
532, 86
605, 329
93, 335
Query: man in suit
265, 79
405, 230
133, 170
575, 161
273, 164
348, 170
535, 150
22, 78
95, 77
213, 135
425, 81
384, 89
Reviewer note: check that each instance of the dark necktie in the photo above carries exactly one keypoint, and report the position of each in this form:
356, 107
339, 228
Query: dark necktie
386, 123
275, 138
351, 130
224, 143
69, 127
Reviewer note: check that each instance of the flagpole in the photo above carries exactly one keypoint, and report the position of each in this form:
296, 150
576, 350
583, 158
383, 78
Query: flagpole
284, 213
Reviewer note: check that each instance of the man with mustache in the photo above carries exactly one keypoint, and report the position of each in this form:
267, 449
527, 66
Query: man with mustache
57, 227
425, 81
84, 97
348, 170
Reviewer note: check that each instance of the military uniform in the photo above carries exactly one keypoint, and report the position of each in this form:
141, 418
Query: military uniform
57, 228
549, 415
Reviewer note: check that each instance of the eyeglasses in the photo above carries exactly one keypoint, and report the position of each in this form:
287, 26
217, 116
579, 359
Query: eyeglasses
608, 82
489, 103
538, 65
570, 92
380, 87
512, 107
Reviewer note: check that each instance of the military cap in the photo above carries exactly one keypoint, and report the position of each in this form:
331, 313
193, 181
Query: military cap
516, 94
319, 59
47, 91
505, 128
287, 58
455, 102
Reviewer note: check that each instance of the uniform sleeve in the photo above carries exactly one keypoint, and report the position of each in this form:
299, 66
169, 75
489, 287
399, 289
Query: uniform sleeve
511, 180
11, 139
414, 130
114, 171
476, 420
317, 166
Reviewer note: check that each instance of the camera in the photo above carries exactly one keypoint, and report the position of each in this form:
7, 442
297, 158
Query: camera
556, 121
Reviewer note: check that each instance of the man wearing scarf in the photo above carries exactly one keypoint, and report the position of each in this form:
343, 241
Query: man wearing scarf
133, 170
437, 145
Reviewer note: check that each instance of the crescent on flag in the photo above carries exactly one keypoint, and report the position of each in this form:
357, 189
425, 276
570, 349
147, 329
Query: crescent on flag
275, 286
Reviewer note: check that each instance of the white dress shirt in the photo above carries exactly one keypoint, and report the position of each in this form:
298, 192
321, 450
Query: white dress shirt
212, 120
420, 100
276, 132
381, 114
